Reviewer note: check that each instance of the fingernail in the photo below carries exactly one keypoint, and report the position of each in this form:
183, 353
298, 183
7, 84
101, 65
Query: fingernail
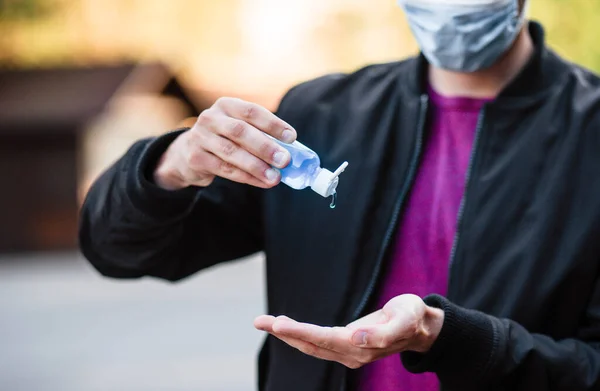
288, 136
360, 338
280, 158
271, 174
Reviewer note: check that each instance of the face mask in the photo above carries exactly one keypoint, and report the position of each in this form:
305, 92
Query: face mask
463, 35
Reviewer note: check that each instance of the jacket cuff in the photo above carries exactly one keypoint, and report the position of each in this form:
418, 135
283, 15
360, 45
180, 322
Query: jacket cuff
154, 201
464, 348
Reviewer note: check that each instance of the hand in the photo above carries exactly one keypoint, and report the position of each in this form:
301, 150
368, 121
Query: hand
404, 323
227, 140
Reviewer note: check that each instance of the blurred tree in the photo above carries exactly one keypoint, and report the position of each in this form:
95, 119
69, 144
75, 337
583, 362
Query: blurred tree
573, 28
14, 14
11, 10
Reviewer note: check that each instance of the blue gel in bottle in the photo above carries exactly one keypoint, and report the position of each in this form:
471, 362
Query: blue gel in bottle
305, 171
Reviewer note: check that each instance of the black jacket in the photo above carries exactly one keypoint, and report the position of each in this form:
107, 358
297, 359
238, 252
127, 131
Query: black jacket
523, 307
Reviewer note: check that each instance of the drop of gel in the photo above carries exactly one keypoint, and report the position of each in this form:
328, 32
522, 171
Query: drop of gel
333, 200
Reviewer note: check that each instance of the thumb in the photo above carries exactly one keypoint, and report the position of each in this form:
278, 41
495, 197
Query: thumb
379, 336
401, 316
382, 335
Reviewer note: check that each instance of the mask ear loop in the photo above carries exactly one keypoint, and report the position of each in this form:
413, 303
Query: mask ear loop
525, 10
521, 17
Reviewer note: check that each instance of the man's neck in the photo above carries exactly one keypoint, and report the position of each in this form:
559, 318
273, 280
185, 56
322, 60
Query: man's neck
487, 83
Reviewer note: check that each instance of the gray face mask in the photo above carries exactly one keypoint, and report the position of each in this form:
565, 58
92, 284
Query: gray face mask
463, 35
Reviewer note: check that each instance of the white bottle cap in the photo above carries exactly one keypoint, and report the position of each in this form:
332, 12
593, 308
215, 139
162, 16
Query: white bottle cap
326, 181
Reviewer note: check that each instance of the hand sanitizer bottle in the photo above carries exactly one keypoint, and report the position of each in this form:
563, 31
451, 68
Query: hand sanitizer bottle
305, 170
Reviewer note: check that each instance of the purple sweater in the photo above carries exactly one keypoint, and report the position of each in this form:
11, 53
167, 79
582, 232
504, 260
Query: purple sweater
419, 262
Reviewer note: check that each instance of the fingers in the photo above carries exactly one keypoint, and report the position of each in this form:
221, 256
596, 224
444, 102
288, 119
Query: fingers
238, 159
250, 139
264, 323
327, 343
271, 325
319, 352
202, 162
381, 330
229, 140
257, 116
330, 338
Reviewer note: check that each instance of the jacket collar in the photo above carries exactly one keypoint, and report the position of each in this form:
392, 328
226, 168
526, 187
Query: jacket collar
544, 71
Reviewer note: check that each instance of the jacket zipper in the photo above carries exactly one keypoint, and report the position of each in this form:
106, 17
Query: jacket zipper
394, 220
397, 207
463, 201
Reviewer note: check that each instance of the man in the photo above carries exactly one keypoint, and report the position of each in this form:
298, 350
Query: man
472, 184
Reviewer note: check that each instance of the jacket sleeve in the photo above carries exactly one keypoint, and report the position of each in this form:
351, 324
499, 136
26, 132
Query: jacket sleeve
476, 351
130, 227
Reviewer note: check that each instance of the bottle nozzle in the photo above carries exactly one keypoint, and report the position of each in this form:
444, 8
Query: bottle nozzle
340, 169
327, 181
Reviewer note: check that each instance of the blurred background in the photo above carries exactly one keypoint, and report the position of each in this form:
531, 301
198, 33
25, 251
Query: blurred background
80, 80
